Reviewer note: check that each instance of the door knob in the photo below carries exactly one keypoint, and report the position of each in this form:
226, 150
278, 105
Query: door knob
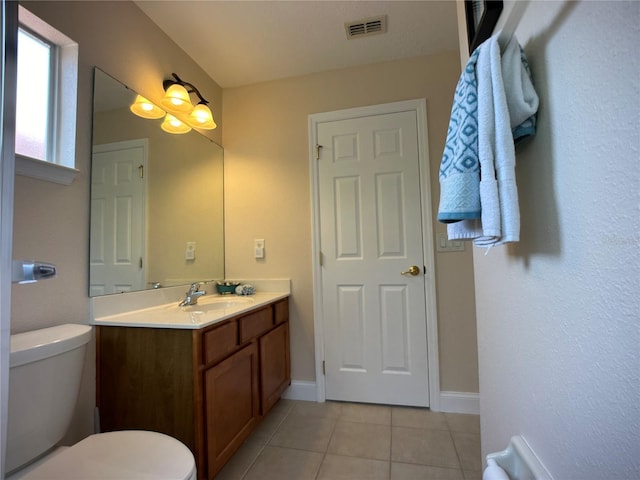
413, 270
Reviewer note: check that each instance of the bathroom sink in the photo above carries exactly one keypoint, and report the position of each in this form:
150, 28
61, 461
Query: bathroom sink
218, 302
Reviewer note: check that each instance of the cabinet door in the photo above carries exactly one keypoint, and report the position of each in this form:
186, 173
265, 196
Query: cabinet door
274, 365
231, 399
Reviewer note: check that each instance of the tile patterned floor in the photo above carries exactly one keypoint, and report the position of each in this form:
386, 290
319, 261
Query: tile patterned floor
346, 441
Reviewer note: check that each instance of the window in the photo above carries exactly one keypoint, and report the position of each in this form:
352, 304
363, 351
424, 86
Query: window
46, 101
34, 103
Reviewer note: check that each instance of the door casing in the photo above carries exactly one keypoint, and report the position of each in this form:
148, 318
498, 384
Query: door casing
419, 106
8, 81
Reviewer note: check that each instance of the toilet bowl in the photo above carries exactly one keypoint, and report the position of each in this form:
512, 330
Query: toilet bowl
131, 454
44, 380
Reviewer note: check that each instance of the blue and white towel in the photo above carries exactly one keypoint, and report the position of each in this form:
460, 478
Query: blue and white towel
507, 106
460, 167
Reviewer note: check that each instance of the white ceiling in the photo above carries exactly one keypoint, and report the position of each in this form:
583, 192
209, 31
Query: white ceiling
245, 42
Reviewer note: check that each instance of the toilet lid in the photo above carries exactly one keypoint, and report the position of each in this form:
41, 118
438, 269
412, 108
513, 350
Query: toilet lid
122, 455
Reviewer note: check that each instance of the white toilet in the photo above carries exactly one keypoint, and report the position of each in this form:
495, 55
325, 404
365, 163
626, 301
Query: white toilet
44, 380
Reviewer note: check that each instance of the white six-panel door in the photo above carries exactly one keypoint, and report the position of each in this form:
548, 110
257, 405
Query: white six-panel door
374, 315
118, 217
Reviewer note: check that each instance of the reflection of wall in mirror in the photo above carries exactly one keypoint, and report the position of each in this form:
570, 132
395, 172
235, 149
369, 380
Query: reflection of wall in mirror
184, 200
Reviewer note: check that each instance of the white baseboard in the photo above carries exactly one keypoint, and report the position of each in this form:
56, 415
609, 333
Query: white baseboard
301, 390
460, 402
450, 402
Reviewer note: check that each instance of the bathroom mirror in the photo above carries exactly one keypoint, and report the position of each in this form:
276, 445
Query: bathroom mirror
156, 199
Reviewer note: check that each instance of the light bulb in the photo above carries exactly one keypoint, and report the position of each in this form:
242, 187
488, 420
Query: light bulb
177, 99
173, 125
145, 109
201, 117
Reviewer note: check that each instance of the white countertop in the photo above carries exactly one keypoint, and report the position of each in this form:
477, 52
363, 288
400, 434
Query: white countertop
209, 310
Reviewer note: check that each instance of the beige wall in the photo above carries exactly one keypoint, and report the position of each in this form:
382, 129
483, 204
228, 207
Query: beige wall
267, 193
52, 221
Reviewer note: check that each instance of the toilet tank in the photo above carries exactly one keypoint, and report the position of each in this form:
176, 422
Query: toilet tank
44, 381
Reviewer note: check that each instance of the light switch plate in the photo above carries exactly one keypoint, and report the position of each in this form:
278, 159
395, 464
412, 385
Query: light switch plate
258, 248
190, 252
446, 245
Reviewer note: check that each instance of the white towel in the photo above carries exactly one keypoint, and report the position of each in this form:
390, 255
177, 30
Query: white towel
500, 216
522, 99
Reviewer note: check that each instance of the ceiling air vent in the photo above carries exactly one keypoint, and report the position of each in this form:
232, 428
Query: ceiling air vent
368, 26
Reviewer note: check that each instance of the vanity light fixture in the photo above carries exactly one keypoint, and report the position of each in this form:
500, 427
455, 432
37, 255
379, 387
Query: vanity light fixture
177, 98
180, 114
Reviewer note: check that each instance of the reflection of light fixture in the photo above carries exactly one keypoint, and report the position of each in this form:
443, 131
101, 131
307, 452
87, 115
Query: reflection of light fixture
181, 115
145, 109
172, 125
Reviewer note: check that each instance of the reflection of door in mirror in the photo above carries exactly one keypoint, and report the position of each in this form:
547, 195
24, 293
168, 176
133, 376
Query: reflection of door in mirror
182, 204
118, 184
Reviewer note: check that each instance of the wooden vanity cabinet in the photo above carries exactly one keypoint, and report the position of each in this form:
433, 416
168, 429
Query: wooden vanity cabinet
208, 388
275, 374
231, 404
145, 381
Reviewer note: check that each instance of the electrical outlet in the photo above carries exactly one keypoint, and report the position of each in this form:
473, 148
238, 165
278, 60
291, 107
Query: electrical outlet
258, 248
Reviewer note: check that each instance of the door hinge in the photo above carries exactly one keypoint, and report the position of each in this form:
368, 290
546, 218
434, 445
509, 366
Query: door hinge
140, 262
141, 171
324, 371
320, 258
318, 147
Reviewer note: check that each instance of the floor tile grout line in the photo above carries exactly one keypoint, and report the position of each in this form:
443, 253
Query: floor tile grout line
343, 417
324, 455
252, 463
456, 450
390, 443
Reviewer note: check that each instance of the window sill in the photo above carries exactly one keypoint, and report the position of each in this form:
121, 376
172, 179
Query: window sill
47, 171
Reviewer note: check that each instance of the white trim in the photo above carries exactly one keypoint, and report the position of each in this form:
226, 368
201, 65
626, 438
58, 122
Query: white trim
301, 390
65, 87
420, 107
450, 402
429, 259
8, 79
460, 402
47, 171
315, 260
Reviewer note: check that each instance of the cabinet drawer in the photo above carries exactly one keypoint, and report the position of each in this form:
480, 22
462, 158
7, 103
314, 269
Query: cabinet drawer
220, 341
281, 311
255, 324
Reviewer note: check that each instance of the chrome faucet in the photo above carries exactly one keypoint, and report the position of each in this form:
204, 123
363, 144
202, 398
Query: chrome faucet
192, 295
